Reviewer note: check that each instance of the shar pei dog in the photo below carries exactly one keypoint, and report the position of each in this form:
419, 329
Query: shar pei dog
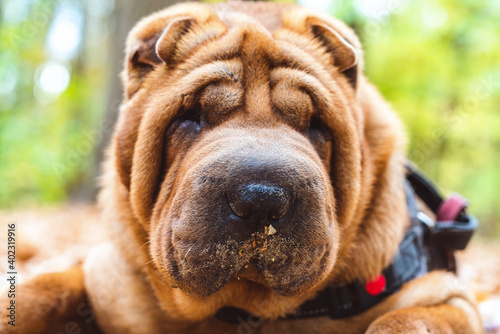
256, 183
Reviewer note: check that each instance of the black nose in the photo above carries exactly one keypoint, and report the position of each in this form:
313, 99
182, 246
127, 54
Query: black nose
259, 201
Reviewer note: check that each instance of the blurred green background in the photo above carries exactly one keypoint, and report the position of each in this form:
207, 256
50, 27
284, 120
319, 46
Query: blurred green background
437, 62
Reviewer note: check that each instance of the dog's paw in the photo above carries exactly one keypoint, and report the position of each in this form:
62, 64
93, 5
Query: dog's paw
451, 318
51, 302
410, 321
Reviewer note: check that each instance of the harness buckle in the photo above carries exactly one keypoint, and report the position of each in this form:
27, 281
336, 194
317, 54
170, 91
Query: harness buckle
454, 227
452, 235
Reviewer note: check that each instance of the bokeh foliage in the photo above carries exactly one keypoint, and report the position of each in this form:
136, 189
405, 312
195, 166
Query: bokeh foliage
47, 139
444, 82
437, 62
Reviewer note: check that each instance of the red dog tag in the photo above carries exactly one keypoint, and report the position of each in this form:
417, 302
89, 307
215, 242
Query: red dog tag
376, 285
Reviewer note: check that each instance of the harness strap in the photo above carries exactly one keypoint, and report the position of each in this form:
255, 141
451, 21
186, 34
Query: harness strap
427, 245
453, 227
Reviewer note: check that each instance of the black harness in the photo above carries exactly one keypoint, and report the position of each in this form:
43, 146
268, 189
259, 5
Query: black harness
428, 245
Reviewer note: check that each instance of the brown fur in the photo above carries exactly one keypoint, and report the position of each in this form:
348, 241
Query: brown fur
257, 73
53, 302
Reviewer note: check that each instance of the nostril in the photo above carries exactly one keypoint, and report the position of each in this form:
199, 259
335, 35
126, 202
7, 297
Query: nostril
239, 208
279, 213
259, 200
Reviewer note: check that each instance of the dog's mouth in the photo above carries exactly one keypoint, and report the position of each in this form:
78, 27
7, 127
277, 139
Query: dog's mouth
281, 264
250, 273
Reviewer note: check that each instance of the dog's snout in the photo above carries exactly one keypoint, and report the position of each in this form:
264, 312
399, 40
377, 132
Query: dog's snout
259, 201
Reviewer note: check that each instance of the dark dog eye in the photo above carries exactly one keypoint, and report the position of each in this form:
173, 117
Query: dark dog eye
192, 115
320, 136
181, 133
189, 126
316, 124
187, 122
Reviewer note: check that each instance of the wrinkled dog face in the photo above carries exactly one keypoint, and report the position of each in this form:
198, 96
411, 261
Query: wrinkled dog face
238, 146
247, 194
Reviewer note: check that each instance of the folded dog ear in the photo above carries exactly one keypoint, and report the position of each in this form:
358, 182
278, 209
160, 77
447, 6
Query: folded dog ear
165, 47
153, 47
141, 59
165, 39
330, 37
345, 55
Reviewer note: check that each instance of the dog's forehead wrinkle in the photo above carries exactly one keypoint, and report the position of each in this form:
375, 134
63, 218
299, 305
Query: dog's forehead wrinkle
256, 71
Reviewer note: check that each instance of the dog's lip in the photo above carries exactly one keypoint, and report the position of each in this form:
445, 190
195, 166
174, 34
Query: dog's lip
250, 273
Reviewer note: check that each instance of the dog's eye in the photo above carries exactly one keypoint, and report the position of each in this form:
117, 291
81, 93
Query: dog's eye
316, 124
320, 136
192, 115
188, 122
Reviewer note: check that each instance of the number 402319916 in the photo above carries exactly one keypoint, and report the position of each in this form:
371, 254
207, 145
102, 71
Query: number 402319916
11, 246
